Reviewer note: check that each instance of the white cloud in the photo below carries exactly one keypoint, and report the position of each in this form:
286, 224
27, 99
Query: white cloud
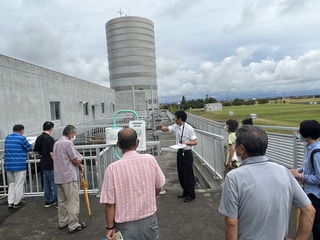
231, 77
203, 47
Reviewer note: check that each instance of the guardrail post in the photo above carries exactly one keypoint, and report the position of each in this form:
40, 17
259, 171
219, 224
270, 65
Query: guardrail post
98, 170
295, 152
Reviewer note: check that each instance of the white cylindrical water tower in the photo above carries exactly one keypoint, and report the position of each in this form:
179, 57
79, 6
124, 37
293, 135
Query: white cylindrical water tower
132, 63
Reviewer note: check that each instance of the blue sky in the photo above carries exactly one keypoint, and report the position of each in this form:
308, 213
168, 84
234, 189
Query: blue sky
223, 49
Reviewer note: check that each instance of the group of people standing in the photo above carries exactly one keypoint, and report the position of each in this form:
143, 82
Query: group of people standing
258, 194
256, 199
59, 163
130, 185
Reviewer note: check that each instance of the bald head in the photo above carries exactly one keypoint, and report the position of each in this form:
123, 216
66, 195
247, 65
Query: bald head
127, 139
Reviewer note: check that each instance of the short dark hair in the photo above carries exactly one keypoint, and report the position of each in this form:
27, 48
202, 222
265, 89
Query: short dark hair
248, 121
182, 115
18, 128
310, 128
47, 126
127, 138
232, 125
68, 129
254, 139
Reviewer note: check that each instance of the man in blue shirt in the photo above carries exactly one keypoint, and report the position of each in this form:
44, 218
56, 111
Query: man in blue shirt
16, 147
309, 174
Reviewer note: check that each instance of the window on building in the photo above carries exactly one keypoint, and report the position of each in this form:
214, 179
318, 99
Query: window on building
55, 110
154, 101
86, 109
102, 107
112, 107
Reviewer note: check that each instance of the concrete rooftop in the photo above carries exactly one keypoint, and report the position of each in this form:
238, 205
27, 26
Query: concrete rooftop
177, 220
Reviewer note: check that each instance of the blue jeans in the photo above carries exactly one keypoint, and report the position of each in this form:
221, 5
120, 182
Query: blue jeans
50, 188
316, 224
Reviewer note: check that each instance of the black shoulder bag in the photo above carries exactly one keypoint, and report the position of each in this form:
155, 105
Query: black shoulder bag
311, 156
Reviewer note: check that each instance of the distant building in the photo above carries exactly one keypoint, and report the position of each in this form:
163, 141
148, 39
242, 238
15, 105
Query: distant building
132, 63
31, 95
212, 107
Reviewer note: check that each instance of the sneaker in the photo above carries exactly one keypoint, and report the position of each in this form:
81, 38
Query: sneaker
22, 202
79, 228
18, 205
49, 204
162, 192
10, 205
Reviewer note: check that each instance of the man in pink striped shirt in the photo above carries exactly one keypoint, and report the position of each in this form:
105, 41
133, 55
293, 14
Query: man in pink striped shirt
129, 191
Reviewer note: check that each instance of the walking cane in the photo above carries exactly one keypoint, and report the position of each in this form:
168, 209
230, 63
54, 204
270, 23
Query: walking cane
84, 185
298, 218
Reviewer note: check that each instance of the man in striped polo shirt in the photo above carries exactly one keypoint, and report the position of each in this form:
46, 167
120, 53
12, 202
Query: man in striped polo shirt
129, 191
16, 147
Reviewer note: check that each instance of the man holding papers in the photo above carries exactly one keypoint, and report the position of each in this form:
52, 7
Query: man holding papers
186, 138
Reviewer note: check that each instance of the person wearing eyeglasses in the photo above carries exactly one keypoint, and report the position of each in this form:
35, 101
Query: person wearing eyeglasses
186, 137
257, 196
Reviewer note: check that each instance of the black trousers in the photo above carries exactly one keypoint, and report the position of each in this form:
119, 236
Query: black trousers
185, 172
316, 224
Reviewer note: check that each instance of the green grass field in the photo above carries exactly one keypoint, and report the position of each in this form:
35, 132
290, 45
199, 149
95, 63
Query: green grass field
289, 114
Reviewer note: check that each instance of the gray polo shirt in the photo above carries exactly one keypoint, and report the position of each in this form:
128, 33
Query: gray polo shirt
260, 194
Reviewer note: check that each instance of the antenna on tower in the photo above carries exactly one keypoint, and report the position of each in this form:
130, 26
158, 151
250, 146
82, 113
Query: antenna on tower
120, 13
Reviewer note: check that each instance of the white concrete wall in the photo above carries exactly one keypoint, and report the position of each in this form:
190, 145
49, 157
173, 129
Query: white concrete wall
26, 91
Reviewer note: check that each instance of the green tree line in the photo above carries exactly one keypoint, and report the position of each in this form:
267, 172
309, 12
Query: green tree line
200, 102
